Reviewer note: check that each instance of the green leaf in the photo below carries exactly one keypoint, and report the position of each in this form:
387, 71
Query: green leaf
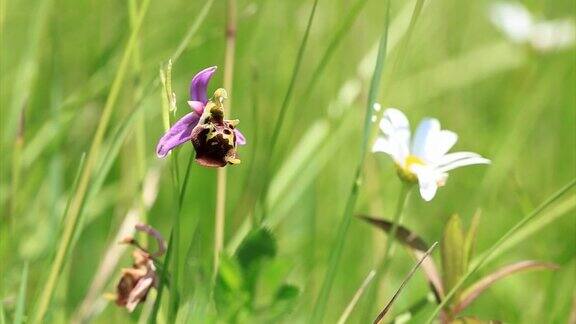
287, 292
470, 239
283, 303
230, 274
452, 252
258, 246
230, 292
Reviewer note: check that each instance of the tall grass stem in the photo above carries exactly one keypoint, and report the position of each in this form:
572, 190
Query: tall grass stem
282, 113
78, 200
338, 247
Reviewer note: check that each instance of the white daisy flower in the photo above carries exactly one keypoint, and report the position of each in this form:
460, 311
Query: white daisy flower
425, 159
518, 24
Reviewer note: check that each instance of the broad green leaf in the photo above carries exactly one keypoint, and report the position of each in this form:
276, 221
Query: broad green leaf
452, 252
259, 244
287, 292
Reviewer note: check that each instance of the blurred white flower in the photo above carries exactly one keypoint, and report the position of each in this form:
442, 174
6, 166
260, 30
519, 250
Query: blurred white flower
425, 159
518, 24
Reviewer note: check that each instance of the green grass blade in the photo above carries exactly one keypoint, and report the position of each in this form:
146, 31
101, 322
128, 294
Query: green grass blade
497, 245
338, 247
198, 20
350, 307
78, 200
28, 69
2, 314
289, 92
562, 208
388, 306
21, 303
334, 43
69, 202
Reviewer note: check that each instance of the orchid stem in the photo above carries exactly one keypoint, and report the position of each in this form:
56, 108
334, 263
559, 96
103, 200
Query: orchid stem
221, 175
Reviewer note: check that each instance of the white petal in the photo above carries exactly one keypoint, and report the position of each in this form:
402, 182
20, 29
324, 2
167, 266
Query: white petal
451, 157
553, 35
463, 162
440, 144
396, 129
387, 146
513, 19
394, 122
428, 190
426, 133
428, 180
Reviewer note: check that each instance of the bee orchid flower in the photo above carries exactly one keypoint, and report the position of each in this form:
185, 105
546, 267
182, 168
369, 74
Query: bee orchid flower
424, 159
219, 138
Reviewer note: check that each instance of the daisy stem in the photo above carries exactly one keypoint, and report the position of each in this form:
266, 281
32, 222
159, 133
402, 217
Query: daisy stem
501, 241
389, 249
221, 174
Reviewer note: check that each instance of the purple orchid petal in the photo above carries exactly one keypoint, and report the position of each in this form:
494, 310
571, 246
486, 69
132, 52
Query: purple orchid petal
197, 106
179, 133
240, 139
200, 83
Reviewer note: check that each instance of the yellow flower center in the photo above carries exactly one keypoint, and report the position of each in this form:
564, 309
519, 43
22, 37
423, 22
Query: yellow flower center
404, 170
411, 160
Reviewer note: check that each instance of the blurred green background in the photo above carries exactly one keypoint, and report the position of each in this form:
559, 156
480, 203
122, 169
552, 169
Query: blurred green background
506, 101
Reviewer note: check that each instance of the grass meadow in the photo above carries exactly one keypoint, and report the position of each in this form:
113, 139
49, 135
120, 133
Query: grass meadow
89, 87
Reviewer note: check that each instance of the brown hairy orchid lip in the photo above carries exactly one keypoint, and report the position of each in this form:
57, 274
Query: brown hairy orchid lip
215, 138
